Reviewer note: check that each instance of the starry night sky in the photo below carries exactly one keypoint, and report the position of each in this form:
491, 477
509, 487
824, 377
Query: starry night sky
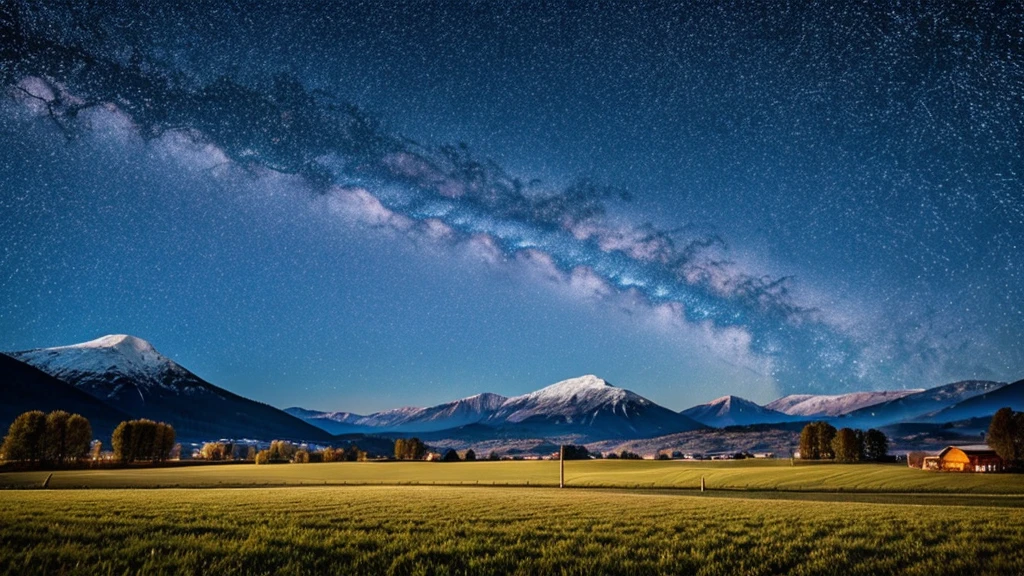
366, 205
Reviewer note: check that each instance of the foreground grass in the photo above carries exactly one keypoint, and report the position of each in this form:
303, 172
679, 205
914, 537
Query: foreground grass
468, 530
743, 475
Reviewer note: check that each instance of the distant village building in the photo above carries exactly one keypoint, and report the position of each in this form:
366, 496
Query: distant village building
963, 459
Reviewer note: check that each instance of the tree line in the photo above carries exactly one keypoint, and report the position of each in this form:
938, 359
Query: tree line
54, 438
60, 438
821, 441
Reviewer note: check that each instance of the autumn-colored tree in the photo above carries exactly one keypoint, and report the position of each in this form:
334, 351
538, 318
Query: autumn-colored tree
410, 449
262, 457
213, 451
281, 450
301, 457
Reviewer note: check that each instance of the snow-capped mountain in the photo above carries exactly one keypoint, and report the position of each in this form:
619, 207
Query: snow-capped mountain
586, 407
917, 405
983, 405
734, 411
827, 406
591, 407
408, 419
127, 373
449, 415
25, 387
122, 369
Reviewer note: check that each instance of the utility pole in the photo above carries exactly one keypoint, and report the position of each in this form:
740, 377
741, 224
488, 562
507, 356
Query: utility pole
561, 466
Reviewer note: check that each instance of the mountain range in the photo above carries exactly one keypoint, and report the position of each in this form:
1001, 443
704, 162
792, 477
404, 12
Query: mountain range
586, 407
118, 377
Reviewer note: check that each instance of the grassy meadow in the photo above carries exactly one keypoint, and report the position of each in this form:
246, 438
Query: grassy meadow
623, 517
470, 530
743, 475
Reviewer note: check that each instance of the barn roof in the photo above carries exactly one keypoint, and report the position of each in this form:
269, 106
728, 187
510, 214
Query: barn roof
974, 450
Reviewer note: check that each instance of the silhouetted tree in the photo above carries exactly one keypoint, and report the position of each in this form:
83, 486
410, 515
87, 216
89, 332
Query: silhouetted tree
876, 445
493, 456
1006, 435
470, 455
574, 452
451, 456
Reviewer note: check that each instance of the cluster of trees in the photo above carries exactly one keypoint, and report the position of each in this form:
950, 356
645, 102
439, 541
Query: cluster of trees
227, 451
624, 455
281, 451
821, 441
135, 440
351, 454
54, 438
1006, 436
410, 449
574, 452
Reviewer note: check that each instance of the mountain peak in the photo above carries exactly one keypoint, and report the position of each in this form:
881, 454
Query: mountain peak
135, 350
576, 385
733, 410
122, 342
728, 400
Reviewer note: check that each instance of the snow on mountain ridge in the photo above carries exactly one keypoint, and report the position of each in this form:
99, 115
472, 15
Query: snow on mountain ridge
834, 404
570, 398
112, 354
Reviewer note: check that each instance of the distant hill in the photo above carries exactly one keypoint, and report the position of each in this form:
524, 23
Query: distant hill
734, 411
129, 375
917, 405
25, 387
983, 405
453, 414
826, 406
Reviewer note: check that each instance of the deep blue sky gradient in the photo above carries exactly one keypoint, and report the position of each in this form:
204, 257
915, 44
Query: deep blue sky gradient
868, 154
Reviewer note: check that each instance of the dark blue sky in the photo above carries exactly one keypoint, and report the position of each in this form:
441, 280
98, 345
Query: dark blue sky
688, 200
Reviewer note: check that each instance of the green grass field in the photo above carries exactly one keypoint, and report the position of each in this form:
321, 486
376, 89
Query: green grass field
624, 517
469, 530
729, 475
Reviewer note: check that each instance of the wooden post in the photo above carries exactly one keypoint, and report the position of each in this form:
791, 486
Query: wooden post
561, 466
701, 483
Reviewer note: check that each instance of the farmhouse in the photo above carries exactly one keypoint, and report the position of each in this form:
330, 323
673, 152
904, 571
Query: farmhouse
965, 459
